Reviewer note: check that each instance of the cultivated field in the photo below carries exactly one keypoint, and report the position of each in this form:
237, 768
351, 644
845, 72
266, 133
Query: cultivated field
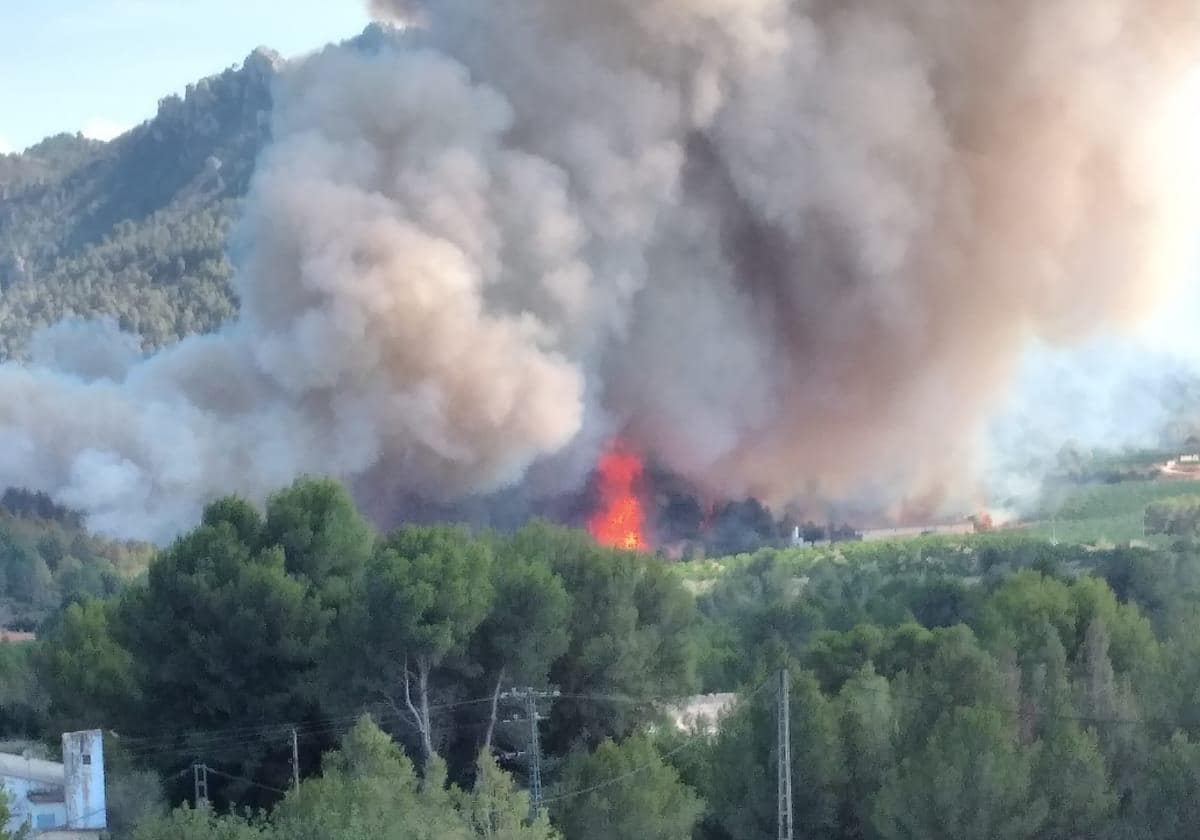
1105, 513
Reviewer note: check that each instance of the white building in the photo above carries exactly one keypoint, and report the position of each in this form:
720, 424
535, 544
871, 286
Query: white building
58, 800
702, 712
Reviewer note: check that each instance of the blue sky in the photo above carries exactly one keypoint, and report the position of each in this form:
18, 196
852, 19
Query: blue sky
98, 66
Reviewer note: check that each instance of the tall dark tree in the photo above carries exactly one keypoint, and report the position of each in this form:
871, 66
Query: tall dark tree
222, 633
325, 539
970, 782
631, 636
526, 627
426, 591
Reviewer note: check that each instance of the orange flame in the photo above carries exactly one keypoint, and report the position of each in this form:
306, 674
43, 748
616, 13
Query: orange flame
619, 522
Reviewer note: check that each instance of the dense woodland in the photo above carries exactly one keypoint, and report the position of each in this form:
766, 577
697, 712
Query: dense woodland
997, 686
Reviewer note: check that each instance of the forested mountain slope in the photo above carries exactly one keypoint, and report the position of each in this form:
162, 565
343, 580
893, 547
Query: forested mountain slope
135, 228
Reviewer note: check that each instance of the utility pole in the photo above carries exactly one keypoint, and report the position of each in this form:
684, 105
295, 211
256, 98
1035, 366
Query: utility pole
200, 784
295, 760
533, 750
784, 749
535, 755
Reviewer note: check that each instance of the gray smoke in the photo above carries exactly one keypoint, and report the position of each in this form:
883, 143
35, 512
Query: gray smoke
787, 248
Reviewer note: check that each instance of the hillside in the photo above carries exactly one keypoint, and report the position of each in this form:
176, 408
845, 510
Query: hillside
135, 228
47, 558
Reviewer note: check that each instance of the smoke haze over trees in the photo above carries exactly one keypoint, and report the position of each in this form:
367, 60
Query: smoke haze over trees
786, 250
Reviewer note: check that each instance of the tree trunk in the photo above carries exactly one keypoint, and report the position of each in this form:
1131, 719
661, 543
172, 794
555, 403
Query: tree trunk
423, 688
420, 712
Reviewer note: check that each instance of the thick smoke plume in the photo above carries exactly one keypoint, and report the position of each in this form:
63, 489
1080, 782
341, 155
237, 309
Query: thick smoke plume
787, 247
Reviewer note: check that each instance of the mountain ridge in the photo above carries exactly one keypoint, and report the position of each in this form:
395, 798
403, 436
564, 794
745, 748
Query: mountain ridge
134, 229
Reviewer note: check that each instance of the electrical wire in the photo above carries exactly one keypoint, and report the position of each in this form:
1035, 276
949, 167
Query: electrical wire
68, 825
243, 779
205, 740
195, 741
285, 727
629, 774
235, 739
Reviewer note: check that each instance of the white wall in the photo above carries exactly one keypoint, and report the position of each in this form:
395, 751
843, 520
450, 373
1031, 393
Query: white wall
23, 811
83, 761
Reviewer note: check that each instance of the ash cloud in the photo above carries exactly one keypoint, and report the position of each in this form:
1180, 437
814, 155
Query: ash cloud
786, 248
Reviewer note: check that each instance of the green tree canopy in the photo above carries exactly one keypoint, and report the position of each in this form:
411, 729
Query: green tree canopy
741, 774
970, 782
427, 589
630, 630
88, 675
648, 802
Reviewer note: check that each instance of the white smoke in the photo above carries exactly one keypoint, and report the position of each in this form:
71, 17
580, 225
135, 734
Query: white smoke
784, 247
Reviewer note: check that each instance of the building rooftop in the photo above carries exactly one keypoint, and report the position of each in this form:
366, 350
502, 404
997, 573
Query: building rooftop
32, 769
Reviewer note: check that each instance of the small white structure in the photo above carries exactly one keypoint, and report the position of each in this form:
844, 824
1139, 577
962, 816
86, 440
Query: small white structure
58, 800
702, 712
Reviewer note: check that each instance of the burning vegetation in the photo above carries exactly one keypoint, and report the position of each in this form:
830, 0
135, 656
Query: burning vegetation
620, 520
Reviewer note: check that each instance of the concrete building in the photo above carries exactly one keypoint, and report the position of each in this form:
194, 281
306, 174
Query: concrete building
58, 800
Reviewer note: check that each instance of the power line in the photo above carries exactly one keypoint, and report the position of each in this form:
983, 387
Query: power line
208, 740
230, 746
629, 774
221, 733
224, 742
68, 824
245, 780
691, 741
621, 698
204, 740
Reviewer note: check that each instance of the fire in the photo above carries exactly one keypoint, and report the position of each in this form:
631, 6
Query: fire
619, 522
